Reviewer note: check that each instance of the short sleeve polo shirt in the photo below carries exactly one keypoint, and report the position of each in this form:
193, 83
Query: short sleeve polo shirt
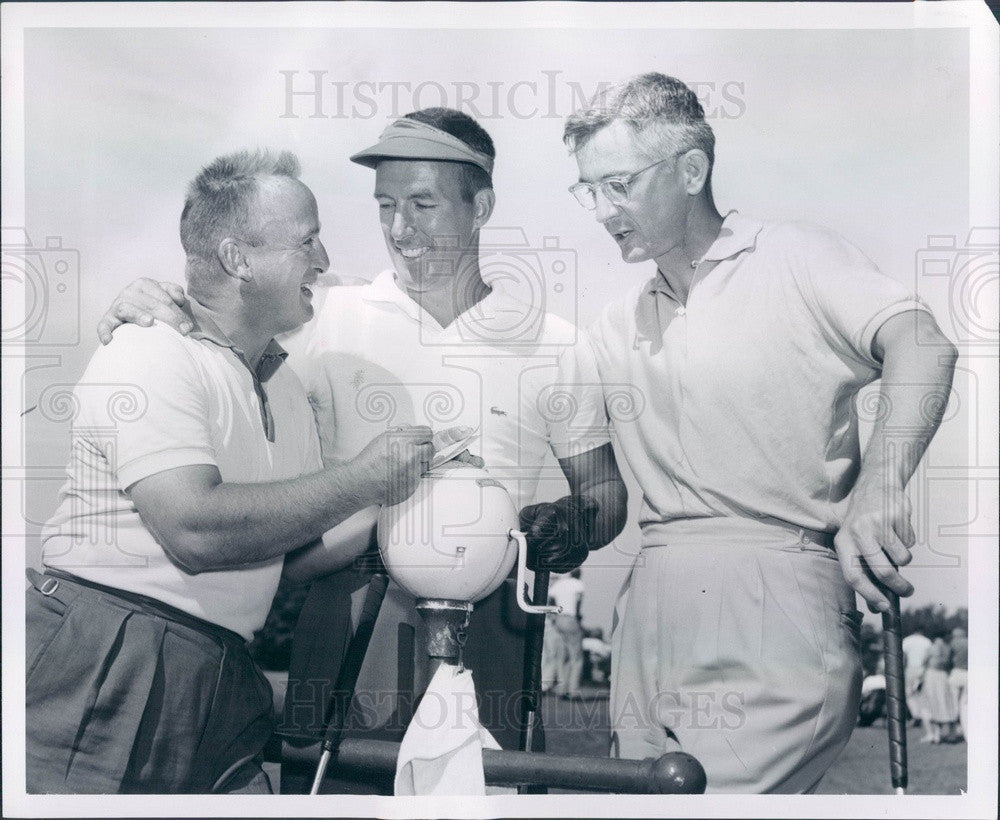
153, 400
373, 358
741, 400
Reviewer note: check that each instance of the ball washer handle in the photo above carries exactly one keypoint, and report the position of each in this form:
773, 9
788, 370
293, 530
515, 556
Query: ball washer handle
522, 583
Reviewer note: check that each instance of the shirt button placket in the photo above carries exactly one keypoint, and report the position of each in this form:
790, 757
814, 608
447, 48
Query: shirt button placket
680, 317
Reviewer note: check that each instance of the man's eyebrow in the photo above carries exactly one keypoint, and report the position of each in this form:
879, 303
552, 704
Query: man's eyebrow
419, 193
609, 175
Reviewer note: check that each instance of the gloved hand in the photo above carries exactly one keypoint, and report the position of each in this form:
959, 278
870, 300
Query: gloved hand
559, 532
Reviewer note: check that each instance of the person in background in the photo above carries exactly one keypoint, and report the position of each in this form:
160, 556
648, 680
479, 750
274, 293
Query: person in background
916, 649
567, 592
597, 652
940, 707
552, 649
959, 676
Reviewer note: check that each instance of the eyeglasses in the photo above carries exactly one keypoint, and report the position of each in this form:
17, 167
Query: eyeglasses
615, 189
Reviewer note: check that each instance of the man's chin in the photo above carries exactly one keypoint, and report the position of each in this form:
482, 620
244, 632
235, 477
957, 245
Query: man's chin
304, 316
633, 255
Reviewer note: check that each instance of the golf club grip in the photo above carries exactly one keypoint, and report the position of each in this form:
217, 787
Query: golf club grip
895, 691
354, 658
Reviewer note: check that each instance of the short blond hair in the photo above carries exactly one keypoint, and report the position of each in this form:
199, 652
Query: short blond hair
220, 200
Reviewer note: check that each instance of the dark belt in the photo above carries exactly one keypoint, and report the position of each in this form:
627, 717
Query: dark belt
65, 588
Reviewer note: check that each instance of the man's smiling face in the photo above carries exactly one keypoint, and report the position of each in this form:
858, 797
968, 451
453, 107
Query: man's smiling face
426, 220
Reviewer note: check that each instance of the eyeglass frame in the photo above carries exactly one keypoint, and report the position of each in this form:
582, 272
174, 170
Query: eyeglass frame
625, 181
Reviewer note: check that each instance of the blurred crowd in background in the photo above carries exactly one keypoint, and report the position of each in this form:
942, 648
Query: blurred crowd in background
936, 651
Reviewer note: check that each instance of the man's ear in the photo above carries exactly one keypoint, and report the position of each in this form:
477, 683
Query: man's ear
484, 201
695, 166
233, 260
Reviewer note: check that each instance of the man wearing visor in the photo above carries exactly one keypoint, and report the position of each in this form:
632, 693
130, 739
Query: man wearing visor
736, 634
433, 340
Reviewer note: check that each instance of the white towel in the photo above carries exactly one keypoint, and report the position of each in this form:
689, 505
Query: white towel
442, 751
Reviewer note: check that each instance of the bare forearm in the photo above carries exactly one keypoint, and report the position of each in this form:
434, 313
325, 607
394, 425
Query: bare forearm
337, 548
204, 523
238, 524
594, 475
916, 382
876, 535
611, 498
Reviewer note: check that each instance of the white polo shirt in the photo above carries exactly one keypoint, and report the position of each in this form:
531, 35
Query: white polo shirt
745, 394
372, 358
567, 592
154, 400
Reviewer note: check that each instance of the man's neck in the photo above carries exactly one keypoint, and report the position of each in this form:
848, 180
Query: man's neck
450, 298
679, 265
250, 341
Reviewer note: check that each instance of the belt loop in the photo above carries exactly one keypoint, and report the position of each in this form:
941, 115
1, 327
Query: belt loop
49, 586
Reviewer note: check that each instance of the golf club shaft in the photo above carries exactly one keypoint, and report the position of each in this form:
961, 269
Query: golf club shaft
895, 692
532, 681
347, 680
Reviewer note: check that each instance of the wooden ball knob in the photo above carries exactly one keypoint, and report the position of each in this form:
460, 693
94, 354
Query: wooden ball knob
678, 773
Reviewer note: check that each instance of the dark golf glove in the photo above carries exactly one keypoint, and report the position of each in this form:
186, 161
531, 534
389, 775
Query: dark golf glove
559, 532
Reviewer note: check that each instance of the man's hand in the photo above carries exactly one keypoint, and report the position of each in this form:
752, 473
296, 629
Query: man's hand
394, 461
445, 439
559, 533
143, 301
874, 539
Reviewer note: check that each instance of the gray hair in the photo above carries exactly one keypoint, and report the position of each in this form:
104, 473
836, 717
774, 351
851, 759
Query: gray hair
220, 201
663, 113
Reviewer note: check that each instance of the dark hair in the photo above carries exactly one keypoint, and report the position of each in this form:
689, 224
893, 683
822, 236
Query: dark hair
463, 127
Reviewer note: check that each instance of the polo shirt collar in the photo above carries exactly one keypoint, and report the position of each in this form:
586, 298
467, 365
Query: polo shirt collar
384, 289
204, 328
737, 234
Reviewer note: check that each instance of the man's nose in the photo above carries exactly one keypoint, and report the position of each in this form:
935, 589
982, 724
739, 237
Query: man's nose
604, 208
321, 261
400, 225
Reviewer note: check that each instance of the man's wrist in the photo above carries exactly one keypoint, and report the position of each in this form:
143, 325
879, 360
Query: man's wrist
360, 481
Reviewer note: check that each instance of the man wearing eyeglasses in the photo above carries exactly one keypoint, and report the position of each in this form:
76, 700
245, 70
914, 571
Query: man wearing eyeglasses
736, 634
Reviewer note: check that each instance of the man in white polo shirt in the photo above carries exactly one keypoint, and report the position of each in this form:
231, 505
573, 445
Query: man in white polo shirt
567, 593
432, 340
737, 635
195, 469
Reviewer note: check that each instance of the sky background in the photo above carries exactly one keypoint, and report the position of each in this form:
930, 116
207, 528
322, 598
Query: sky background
866, 132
